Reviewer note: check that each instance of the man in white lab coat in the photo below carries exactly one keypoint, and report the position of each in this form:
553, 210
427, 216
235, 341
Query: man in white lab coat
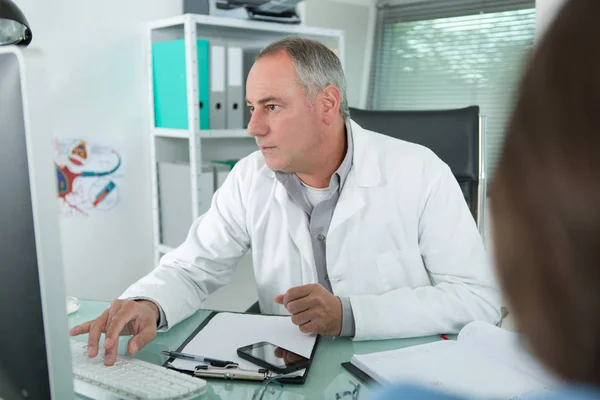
353, 233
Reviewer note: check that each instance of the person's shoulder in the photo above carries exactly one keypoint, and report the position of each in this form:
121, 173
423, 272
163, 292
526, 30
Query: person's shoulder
399, 158
396, 149
571, 393
407, 391
393, 143
413, 392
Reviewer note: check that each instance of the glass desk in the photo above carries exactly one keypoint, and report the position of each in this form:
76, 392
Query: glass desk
326, 377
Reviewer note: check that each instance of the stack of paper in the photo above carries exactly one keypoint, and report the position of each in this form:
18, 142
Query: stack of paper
485, 361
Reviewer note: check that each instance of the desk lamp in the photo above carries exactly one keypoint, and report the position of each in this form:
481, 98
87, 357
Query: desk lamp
14, 28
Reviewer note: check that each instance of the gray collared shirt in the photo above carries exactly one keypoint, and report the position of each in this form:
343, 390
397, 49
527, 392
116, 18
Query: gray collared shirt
319, 219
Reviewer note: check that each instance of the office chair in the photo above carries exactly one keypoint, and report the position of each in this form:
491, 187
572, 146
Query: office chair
455, 136
254, 309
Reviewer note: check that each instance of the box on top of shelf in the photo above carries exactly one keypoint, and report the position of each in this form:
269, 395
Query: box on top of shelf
209, 26
170, 84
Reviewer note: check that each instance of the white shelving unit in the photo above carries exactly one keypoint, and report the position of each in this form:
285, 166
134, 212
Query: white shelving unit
203, 134
198, 147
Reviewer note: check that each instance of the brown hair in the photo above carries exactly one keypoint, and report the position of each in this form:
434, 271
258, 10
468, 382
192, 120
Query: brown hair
546, 198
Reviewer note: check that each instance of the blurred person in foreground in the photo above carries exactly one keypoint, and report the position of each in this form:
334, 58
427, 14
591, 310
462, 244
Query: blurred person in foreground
546, 207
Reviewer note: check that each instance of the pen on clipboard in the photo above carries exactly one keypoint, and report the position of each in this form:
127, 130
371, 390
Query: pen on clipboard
206, 371
211, 361
231, 371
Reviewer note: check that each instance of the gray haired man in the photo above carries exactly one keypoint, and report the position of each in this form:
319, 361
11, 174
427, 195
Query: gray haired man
352, 233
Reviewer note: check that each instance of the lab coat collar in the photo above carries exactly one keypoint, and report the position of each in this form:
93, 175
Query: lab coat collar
365, 162
365, 172
366, 166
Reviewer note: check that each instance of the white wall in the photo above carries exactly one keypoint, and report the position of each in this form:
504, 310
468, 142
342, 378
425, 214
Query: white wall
356, 19
95, 61
545, 12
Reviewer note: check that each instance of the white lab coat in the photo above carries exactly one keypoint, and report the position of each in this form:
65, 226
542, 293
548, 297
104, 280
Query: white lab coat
402, 245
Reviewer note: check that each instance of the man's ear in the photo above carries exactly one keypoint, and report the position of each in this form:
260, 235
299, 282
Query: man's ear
331, 100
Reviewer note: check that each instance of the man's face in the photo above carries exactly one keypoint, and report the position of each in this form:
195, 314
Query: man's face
285, 122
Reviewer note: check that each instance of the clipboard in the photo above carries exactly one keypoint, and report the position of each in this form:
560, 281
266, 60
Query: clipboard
237, 373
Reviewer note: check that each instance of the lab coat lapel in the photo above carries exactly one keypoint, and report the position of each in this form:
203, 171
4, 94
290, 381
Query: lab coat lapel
349, 203
365, 173
298, 229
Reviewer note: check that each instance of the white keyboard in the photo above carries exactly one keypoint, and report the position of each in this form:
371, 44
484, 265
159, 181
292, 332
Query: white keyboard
131, 379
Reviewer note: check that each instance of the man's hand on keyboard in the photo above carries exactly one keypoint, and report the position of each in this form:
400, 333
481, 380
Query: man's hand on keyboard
123, 317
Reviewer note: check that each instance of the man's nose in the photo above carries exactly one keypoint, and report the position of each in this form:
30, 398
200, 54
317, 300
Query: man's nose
257, 126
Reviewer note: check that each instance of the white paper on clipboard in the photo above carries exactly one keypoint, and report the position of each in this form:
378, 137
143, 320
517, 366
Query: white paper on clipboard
226, 332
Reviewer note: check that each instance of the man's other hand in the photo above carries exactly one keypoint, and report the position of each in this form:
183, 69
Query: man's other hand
123, 317
313, 309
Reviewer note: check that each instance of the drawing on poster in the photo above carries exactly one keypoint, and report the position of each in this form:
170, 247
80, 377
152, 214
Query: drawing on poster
89, 177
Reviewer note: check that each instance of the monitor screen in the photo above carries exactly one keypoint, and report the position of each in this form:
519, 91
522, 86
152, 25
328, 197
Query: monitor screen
30, 296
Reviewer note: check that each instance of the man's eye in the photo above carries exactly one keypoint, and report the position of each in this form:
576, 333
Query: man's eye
273, 107
251, 109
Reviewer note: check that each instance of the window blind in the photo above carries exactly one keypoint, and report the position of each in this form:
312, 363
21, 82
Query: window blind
441, 54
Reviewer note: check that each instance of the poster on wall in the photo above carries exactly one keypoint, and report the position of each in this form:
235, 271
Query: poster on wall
89, 177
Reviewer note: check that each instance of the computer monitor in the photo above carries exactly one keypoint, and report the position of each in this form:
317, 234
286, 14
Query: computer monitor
35, 360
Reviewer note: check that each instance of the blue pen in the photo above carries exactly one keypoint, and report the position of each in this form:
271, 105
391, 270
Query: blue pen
211, 361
